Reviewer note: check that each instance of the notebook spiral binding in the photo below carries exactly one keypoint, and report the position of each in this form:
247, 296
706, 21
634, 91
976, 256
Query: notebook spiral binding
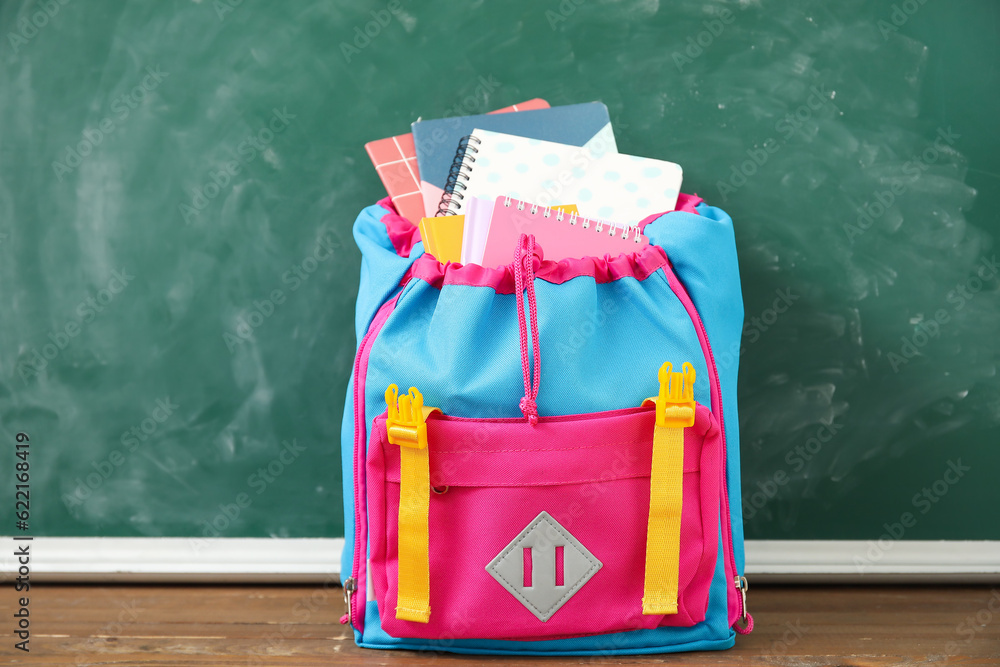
575, 218
459, 172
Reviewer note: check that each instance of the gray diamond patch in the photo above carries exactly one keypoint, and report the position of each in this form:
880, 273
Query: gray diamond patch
536, 556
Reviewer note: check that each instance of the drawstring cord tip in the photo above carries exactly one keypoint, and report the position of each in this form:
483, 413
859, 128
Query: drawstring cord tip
530, 410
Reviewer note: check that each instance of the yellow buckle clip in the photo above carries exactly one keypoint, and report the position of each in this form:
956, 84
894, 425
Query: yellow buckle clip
675, 404
406, 423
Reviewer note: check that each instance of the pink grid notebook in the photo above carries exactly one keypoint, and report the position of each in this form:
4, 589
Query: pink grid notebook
561, 235
395, 160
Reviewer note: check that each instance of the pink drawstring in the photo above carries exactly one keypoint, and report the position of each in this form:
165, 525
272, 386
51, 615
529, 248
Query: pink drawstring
524, 278
747, 627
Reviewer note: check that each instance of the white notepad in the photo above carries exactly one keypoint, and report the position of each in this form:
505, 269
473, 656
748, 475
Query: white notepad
477, 211
607, 185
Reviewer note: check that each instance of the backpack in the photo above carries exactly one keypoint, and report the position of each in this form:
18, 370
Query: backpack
536, 458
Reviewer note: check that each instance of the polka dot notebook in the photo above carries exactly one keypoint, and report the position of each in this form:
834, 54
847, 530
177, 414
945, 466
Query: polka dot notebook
604, 184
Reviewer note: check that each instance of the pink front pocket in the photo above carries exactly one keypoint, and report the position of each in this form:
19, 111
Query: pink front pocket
540, 532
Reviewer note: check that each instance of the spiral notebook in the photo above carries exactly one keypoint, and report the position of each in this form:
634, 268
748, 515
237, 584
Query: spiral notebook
560, 234
476, 227
603, 184
574, 124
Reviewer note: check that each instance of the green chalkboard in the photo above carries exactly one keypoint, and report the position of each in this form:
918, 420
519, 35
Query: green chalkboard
178, 182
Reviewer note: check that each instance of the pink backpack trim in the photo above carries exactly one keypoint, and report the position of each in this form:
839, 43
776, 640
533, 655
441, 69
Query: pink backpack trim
404, 234
639, 265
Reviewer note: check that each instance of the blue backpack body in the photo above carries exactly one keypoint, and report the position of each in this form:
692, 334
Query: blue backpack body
604, 329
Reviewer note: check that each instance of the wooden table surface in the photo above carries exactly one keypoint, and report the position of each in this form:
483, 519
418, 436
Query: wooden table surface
299, 625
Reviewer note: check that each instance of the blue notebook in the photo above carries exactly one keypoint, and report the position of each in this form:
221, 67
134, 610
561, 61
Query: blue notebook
438, 140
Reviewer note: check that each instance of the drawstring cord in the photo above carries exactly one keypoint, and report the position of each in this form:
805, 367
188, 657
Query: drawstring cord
524, 278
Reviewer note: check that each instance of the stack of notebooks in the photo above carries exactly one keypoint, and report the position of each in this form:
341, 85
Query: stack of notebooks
474, 184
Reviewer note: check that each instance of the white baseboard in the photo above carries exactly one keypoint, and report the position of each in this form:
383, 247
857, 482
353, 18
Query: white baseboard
873, 561
261, 560
215, 560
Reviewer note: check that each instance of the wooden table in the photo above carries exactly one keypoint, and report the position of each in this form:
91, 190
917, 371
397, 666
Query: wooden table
299, 625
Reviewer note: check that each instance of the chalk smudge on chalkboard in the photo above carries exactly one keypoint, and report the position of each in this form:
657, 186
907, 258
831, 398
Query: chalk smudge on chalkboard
844, 196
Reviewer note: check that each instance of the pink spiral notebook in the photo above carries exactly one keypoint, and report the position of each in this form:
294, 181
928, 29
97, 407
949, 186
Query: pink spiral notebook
560, 234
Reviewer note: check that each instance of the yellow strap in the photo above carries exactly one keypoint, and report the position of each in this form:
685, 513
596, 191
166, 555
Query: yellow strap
414, 569
675, 410
663, 533
406, 427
